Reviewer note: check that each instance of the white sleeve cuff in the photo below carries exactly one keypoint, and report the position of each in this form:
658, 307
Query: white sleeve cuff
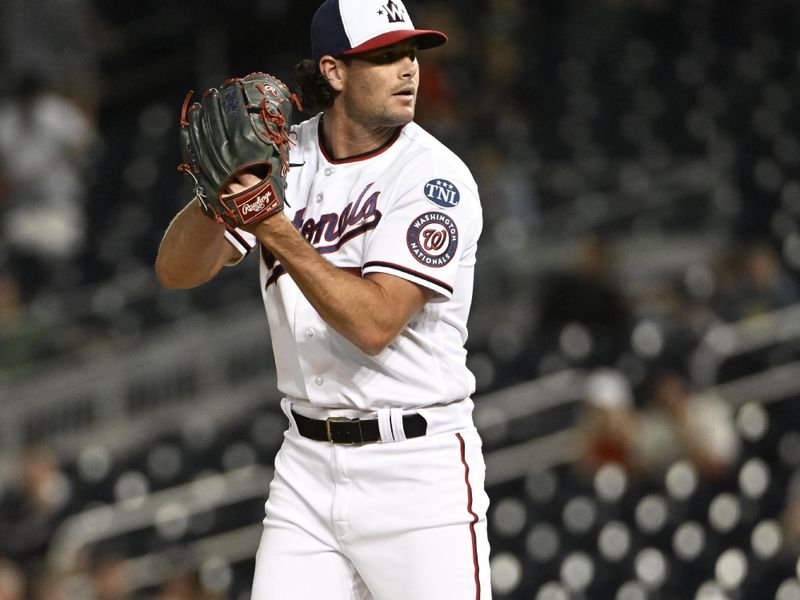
242, 241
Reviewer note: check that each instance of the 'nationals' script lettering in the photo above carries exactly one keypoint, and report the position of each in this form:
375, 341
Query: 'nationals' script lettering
331, 230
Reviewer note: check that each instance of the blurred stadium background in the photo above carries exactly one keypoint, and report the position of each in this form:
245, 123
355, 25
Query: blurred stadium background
636, 324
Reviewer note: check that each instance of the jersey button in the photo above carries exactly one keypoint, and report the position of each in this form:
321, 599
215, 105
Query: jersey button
310, 333
318, 197
319, 380
328, 171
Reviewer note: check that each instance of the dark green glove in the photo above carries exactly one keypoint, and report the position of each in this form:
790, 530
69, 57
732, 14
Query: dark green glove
242, 127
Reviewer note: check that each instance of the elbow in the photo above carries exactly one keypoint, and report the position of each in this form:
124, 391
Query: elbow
165, 276
171, 284
375, 342
171, 279
372, 349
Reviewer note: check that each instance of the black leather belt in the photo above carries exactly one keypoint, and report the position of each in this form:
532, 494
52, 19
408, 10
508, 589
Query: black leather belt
341, 430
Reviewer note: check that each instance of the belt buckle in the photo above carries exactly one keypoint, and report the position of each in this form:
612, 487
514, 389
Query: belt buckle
330, 420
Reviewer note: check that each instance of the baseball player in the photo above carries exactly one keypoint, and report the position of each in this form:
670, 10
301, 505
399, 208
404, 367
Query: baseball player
366, 274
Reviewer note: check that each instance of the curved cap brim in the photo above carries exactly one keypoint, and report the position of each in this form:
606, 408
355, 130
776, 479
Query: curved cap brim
427, 38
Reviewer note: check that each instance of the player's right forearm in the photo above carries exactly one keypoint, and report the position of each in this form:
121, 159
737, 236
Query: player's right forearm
193, 250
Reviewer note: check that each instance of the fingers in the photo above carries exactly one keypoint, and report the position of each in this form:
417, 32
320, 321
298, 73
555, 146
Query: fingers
243, 181
248, 180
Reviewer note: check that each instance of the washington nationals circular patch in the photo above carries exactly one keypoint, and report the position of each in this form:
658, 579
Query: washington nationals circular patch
433, 238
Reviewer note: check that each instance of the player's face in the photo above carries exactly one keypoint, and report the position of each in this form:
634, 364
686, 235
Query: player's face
381, 86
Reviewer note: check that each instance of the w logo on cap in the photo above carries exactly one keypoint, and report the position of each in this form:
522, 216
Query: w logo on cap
394, 12
357, 26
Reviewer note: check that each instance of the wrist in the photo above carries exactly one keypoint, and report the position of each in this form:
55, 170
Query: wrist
273, 226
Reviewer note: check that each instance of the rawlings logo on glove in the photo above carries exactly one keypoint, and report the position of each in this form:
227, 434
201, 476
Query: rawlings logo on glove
257, 203
239, 128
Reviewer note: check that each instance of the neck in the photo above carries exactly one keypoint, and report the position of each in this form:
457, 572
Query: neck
344, 137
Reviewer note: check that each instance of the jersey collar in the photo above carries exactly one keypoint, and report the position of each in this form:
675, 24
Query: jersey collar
323, 146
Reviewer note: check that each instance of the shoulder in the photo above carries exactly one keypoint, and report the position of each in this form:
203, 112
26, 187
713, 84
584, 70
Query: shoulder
305, 131
431, 156
435, 174
303, 136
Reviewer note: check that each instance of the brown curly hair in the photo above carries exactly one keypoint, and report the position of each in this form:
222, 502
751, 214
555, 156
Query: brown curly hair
314, 91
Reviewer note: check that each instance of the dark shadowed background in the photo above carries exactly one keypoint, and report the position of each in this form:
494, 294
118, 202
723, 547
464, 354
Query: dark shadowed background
635, 332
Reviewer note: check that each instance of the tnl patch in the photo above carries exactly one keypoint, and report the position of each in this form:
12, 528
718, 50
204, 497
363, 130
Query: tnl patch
442, 193
433, 238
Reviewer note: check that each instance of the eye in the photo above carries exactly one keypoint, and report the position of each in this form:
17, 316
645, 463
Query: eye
380, 58
392, 55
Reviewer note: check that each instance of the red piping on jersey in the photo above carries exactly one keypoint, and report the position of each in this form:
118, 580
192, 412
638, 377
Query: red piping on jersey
474, 518
388, 265
323, 146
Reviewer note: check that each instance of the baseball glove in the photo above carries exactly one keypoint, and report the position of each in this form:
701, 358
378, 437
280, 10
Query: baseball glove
239, 128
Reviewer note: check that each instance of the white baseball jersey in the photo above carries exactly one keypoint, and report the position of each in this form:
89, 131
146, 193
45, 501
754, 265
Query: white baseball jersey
410, 209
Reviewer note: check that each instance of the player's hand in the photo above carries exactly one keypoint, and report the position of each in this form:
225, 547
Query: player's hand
266, 227
243, 182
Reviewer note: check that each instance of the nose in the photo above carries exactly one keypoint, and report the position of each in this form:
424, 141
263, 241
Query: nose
410, 67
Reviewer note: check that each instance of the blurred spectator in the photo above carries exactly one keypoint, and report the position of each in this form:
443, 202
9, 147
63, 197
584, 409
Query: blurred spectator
677, 310
790, 517
33, 504
586, 294
187, 586
11, 305
753, 282
45, 140
608, 426
55, 41
441, 109
12, 581
110, 578
50, 586
507, 181
677, 424
22, 340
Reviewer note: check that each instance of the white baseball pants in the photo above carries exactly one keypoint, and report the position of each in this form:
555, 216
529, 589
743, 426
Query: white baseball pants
384, 521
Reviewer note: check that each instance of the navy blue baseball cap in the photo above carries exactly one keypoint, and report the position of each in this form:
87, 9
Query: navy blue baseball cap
346, 27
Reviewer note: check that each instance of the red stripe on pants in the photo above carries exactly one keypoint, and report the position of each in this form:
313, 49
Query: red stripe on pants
474, 517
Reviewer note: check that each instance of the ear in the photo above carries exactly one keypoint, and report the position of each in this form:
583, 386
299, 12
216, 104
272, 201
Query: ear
332, 70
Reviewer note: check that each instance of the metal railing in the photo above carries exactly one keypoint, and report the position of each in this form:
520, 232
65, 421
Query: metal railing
728, 340
200, 365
